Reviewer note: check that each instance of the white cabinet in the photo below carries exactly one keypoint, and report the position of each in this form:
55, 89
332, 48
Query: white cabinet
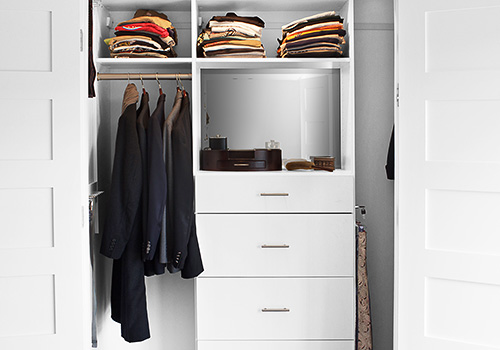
276, 192
278, 247
256, 309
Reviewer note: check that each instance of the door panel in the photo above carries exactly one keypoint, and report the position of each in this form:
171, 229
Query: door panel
44, 284
448, 160
35, 55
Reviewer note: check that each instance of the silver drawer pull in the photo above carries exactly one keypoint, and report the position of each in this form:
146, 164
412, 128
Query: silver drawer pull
241, 164
275, 246
274, 194
275, 310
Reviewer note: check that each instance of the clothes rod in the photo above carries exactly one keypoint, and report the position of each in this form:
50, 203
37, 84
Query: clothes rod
146, 76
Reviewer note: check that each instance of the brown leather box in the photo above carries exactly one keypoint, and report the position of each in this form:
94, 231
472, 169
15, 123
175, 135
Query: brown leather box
259, 159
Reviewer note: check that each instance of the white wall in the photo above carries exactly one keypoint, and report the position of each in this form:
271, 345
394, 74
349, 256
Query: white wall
374, 60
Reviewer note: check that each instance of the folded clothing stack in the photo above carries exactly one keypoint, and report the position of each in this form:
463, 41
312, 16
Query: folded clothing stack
148, 34
321, 35
232, 36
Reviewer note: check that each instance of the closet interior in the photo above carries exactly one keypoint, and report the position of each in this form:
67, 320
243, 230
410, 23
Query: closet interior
305, 104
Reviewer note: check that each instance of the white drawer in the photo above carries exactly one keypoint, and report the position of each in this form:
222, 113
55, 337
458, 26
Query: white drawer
255, 308
276, 244
261, 193
276, 345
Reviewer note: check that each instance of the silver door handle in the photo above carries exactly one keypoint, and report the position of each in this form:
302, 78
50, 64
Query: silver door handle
275, 310
275, 246
274, 194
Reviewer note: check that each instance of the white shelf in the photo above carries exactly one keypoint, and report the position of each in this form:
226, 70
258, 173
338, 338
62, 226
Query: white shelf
221, 63
297, 173
143, 63
132, 5
273, 62
267, 5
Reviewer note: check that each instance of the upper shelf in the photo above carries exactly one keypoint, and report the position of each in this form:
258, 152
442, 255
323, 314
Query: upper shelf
273, 62
270, 5
224, 5
104, 64
159, 5
187, 15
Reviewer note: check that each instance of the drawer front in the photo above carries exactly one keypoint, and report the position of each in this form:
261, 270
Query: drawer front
276, 345
242, 193
296, 245
275, 308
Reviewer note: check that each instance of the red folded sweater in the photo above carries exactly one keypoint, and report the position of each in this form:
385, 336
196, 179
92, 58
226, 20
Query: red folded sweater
143, 27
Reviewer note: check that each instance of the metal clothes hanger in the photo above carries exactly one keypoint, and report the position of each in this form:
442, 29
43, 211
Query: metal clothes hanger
159, 85
142, 83
180, 82
177, 81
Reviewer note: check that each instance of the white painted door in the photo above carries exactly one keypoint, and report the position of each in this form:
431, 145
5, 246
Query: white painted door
448, 175
44, 286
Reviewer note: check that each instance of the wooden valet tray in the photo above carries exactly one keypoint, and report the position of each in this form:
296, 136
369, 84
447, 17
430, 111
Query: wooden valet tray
259, 159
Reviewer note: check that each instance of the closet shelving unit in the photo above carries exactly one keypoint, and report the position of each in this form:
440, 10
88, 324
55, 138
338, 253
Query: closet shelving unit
310, 271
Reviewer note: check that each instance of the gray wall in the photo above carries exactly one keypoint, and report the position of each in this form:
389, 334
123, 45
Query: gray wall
374, 61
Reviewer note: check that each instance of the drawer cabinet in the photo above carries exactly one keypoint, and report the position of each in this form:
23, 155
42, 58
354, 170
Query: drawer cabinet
243, 193
279, 259
278, 247
276, 244
275, 308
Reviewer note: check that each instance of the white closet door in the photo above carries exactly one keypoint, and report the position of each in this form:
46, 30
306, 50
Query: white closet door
448, 175
43, 177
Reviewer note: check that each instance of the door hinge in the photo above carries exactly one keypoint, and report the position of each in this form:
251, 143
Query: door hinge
81, 40
397, 95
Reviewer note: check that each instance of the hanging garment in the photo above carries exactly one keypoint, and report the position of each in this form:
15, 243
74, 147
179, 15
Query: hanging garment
389, 165
167, 222
91, 66
141, 125
122, 238
363, 318
184, 252
157, 188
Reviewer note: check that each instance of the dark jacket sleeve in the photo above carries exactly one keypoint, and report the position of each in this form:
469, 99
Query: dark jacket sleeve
193, 265
157, 179
125, 191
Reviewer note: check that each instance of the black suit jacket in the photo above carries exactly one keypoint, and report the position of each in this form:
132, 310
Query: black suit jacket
122, 235
142, 122
184, 252
157, 187
126, 184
